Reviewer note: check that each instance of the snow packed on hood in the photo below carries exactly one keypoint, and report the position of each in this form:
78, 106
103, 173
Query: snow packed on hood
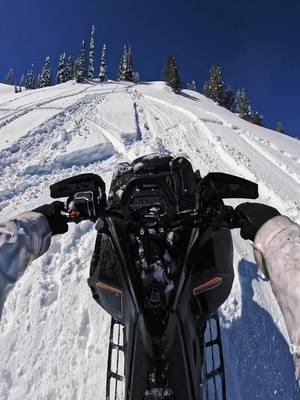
53, 336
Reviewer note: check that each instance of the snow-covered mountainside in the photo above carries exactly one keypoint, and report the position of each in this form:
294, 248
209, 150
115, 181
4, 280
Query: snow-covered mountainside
53, 337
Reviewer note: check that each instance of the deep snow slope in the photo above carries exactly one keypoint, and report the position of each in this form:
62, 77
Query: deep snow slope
53, 337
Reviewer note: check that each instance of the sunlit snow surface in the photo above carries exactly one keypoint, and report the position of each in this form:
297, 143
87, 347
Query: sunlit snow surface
53, 337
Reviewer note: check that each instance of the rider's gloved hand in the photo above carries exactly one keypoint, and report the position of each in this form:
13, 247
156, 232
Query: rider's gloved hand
52, 212
254, 216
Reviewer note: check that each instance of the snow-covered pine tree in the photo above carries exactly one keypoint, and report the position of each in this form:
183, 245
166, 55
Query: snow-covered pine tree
76, 67
103, 67
280, 128
171, 74
46, 79
21, 83
80, 65
128, 65
120, 71
229, 99
9, 79
167, 72
61, 70
91, 69
214, 87
29, 82
57, 78
123, 65
256, 118
70, 68
242, 105
192, 86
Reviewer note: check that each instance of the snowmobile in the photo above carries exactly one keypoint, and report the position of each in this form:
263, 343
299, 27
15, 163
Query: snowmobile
161, 267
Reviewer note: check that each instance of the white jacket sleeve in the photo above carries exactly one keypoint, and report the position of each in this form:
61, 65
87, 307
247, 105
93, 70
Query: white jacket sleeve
22, 239
277, 253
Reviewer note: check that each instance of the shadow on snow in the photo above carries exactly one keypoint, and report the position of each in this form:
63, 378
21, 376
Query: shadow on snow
259, 364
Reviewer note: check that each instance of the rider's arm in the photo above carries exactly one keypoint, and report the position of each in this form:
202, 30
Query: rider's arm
25, 238
22, 239
277, 254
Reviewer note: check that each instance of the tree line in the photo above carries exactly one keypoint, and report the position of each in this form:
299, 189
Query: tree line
215, 89
79, 68
82, 68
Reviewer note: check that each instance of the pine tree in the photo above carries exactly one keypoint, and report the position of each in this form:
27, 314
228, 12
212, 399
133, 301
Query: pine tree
76, 67
256, 118
70, 68
61, 70
280, 128
91, 70
29, 82
192, 86
128, 66
214, 87
21, 83
125, 71
46, 79
123, 65
103, 67
229, 99
9, 79
81, 67
242, 105
171, 74
120, 70
167, 72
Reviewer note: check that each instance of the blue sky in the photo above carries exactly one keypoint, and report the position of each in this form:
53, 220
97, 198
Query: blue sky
255, 42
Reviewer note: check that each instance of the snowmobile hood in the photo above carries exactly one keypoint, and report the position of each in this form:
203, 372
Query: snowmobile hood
151, 163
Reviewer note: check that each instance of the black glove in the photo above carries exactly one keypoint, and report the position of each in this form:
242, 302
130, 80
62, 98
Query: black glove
254, 216
52, 212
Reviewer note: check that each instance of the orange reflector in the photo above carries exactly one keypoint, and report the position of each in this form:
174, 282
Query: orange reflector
101, 285
74, 214
213, 283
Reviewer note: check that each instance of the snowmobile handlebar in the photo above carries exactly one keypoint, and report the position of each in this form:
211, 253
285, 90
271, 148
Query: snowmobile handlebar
86, 200
215, 217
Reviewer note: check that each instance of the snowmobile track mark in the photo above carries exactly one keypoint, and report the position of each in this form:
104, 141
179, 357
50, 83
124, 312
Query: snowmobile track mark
25, 110
111, 133
216, 144
252, 142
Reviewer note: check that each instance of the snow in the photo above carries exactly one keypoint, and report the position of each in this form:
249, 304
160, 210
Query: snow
53, 335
